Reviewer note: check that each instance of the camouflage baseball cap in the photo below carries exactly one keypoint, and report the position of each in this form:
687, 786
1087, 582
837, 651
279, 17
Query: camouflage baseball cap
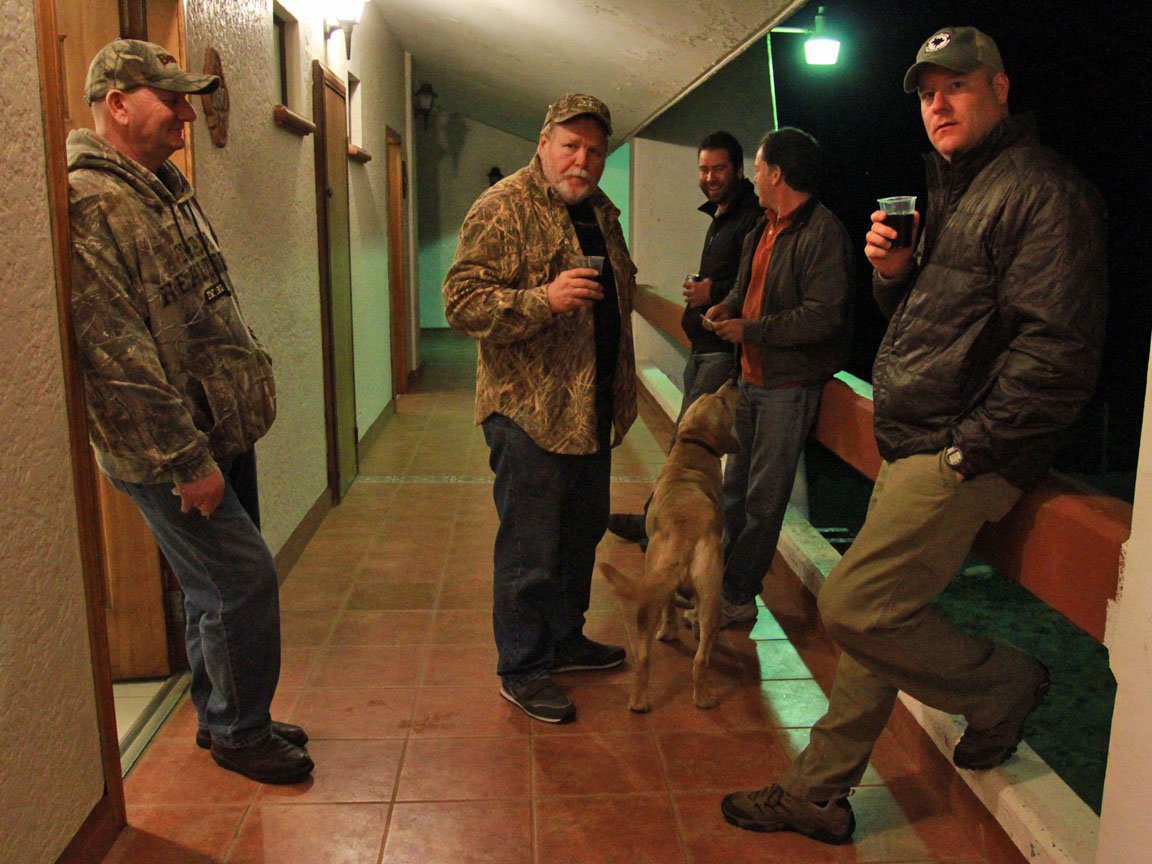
960, 49
125, 64
576, 104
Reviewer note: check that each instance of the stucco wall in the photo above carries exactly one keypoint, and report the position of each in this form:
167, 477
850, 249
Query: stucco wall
259, 193
453, 157
50, 772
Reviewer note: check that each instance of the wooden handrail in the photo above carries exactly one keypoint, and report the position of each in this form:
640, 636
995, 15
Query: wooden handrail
1062, 541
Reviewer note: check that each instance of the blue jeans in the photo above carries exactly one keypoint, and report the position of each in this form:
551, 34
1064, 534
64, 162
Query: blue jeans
771, 426
553, 510
231, 599
705, 373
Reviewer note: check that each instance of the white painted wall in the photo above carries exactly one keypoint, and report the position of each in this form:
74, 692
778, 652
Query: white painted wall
50, 769
1124, 815
454, 155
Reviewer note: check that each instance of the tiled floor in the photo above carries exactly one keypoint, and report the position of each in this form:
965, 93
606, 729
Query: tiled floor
389, 663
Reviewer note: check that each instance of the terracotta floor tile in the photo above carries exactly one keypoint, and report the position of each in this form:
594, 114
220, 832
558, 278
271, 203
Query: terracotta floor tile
610, 829
329, 713
305, 629
382, 627
906, 822
601, 706
393, 595
709, 839
346, 772
596, 764
310, 595
172, 768
367, 666
328, 833
473, 593
698, 761
295, 665
461, 665
455, 769
177, 834
456, 712
396, 570
461, 832
461, 626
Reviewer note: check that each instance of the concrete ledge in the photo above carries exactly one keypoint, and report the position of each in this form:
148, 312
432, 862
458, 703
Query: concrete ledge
1044, 818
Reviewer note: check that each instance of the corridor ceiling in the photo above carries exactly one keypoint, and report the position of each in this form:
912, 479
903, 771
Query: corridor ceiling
502, 62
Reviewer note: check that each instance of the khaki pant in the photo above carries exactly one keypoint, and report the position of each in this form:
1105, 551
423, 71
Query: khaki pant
921, 523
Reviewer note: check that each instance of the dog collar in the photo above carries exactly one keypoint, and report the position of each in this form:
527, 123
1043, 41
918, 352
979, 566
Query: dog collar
703, 444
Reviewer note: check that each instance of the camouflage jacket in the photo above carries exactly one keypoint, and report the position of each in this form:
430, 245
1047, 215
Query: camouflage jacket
173, 377
536, 368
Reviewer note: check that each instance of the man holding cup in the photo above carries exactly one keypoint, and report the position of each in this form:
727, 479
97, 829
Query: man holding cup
733, 209
543, 280
997, 324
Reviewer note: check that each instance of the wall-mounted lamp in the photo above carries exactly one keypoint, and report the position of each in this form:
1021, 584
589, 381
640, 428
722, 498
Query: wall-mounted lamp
821, 48
345, 17
495, 175
422, 101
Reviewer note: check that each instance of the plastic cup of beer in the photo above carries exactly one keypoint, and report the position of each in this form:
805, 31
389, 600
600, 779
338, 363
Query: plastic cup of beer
899, 213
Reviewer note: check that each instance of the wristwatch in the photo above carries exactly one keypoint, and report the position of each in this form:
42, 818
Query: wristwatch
954, 457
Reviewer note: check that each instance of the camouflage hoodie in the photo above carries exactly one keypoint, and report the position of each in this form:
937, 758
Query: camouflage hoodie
173, 377
536, 368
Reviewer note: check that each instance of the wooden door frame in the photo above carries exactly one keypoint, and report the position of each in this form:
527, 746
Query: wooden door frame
397, 265
324, 77
108, 817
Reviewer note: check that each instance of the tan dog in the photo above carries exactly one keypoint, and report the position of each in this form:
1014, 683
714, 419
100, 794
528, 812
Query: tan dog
685, 525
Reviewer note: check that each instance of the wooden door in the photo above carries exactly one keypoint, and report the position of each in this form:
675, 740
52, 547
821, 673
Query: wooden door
397, 263
133, 584
330, 114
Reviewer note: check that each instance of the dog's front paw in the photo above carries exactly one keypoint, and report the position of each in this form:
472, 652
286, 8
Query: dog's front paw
705, 700
639, 705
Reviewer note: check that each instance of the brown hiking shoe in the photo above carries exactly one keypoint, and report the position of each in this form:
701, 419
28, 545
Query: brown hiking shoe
981, 749
773, 809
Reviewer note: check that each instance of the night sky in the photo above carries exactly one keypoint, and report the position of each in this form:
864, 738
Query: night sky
1084, 71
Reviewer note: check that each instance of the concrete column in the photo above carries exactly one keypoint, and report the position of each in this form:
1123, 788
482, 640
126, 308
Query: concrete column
1127, 792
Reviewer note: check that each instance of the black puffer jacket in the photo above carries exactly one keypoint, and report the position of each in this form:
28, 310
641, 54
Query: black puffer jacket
995, 338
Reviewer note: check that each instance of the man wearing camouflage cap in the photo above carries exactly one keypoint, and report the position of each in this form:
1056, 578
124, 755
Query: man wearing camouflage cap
993, 347
555, 390
178, 391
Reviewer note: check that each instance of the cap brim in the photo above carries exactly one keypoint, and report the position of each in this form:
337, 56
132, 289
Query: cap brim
189, 84
912, 76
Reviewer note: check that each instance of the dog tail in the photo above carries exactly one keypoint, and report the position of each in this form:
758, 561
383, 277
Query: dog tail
625, 587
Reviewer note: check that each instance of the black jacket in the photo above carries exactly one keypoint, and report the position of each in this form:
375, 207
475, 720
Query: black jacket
804, 325
720, 260
995, 338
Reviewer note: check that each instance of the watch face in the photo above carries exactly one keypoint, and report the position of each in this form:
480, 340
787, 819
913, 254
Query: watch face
953, 456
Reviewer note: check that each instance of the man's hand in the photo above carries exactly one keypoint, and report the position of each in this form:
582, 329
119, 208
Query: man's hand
698, 293
204, 494
730, 329
889, 263
574, 289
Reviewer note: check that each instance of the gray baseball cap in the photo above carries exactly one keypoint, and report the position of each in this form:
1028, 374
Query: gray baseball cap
576, 104
960, 49
125, 64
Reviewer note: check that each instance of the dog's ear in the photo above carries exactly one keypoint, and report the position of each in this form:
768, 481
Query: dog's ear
728, 442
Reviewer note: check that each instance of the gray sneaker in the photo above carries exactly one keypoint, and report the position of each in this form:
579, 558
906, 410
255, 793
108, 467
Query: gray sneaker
730, 613
773, 809
541, 700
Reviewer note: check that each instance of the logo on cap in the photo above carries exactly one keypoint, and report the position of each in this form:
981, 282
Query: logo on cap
940, 40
